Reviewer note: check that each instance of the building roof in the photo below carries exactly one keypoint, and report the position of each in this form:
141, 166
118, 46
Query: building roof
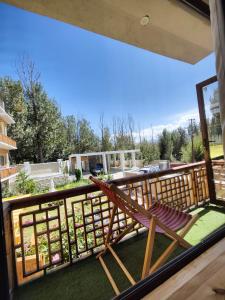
106, 152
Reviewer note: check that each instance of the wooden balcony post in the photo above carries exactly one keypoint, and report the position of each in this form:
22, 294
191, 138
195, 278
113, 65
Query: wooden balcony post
9, 247
4, 278
193, 182
205, 138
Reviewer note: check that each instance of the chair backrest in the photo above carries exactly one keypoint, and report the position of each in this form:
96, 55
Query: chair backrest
117, 199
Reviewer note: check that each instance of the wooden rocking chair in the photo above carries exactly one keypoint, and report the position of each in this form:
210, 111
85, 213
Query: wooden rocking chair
159, 218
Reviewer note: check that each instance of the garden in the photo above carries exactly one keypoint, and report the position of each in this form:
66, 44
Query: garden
25, 186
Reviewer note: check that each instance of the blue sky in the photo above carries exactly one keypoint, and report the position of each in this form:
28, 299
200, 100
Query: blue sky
88, 74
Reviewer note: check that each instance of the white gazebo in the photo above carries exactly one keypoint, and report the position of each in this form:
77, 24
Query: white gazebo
106, 157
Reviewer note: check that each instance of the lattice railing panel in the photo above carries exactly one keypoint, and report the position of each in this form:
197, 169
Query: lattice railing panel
219, 178
58, 229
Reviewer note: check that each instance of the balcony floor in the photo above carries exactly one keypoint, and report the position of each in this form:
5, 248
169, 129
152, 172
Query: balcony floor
86, 279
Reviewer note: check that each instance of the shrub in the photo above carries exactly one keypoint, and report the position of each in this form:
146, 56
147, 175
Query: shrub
24, 184
150, 151
6, 192
29, 249
78, 174
105, 177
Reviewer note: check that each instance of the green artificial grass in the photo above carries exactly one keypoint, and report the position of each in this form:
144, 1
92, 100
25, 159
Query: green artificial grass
86, 279
210, 218
216, 150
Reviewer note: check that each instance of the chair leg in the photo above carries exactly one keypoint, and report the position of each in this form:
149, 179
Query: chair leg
173, 245
149, 248
108, 274
108, 247
121, 265
111, 224
123, 233
164, 256
107, 240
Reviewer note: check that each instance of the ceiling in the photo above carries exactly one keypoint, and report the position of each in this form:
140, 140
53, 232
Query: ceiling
173, 29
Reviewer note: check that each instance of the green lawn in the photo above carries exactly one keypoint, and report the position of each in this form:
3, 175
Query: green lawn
73, 184
216, 150
86, 279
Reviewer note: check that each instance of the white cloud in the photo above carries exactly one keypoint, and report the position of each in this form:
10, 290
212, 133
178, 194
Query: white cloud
174, 121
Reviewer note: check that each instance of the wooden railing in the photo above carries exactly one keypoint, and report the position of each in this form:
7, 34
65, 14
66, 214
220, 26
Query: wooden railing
7, 140
59, 228
6, 172
219, 178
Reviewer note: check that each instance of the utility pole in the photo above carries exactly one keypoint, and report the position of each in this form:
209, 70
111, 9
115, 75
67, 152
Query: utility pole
192, 139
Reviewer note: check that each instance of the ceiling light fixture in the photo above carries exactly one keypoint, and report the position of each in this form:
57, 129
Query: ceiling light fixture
145, 20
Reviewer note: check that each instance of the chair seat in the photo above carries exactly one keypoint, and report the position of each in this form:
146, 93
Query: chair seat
170, 217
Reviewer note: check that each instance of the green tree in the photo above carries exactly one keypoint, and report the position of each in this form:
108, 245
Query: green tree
123, 133
215, 129
149, 151
70, 124
106, 144
39, 129
179, 139
165, 145
46, 124
86, 140
198, 150
44, 120
193, 128
11, 92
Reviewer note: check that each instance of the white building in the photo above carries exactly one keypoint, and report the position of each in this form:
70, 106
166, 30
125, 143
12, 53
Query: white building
109, 159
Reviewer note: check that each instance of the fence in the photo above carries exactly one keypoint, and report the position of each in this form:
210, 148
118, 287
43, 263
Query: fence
57, 229
44, 168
